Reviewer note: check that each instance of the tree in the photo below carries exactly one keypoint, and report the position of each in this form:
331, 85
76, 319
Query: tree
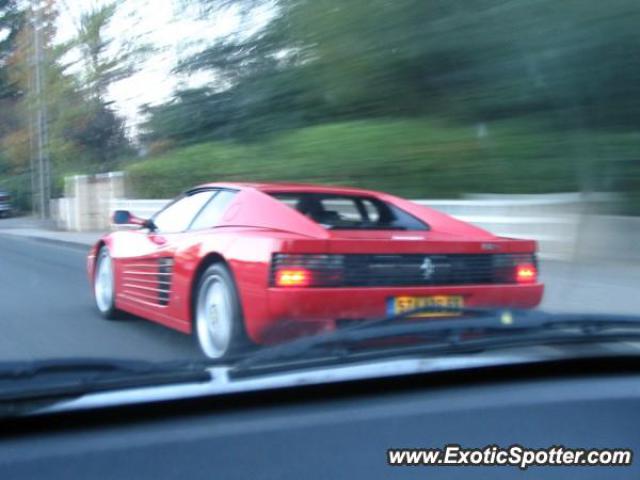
85, 134
105, 60
11, 20
478, 61
14, 143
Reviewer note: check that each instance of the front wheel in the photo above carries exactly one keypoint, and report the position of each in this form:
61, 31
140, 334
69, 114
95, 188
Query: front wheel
104, 285
218, 322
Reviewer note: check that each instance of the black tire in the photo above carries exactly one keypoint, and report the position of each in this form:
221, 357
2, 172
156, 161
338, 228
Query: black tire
105, 306
229, 338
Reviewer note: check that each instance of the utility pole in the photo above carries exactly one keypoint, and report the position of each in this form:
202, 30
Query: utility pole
43, 182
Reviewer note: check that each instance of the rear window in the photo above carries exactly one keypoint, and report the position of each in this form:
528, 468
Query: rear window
350, 212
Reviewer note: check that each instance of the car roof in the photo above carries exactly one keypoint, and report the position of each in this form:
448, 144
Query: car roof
291, 187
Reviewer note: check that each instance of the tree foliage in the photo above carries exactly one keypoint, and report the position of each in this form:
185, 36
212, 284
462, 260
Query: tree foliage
10, 23
85, 132
556, 66
105, 61
479, 60
12, 141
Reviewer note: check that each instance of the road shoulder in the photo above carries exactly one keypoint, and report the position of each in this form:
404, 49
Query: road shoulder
27, 227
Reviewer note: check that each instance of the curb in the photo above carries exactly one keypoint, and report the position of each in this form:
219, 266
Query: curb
52, 241
63, 243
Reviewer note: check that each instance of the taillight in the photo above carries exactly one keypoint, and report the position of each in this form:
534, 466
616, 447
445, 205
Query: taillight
518, 268
526, 273
306, 270
293, 277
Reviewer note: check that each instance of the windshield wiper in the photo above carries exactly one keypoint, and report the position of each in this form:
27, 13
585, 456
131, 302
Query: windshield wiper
24, 369
51, 380
487, 329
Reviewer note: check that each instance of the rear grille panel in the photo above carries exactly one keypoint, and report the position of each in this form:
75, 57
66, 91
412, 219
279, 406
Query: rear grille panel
363, 270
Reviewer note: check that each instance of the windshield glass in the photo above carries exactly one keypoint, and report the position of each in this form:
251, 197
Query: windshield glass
206, 180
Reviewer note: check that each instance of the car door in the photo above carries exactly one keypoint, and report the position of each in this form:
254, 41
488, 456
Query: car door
146, 271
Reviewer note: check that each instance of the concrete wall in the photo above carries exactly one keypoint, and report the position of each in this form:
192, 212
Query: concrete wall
86, 205
611, 238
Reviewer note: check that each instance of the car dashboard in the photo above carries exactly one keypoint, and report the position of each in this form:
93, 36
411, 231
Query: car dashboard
342, 430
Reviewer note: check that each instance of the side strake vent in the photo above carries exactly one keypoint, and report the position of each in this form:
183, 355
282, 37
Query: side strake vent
358, 270
148, 280
165, 274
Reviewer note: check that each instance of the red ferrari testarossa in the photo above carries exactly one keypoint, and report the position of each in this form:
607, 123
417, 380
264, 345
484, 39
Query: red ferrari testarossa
239, 262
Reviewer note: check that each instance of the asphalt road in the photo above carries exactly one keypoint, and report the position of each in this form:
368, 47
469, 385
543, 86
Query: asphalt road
46, 308
46, 311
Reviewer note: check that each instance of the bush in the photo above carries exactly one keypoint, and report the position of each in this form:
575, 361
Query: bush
414, 158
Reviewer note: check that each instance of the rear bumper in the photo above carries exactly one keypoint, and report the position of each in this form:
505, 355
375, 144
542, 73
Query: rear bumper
316, 309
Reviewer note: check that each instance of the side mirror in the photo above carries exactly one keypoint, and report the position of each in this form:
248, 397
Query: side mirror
125, 217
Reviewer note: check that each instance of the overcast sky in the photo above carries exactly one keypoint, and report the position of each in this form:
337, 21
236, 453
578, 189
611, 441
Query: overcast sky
174, 30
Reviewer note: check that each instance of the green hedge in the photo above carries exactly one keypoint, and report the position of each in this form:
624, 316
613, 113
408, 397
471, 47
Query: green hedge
415, 158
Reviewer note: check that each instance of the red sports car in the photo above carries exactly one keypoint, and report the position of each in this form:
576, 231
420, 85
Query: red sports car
259, 263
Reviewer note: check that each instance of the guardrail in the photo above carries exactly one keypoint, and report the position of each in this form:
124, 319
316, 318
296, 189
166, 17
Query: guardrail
552, 220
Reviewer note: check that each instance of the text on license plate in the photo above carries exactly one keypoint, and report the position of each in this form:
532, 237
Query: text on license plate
397, 305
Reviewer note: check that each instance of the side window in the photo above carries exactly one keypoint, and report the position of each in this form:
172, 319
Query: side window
212, 213
178, 216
